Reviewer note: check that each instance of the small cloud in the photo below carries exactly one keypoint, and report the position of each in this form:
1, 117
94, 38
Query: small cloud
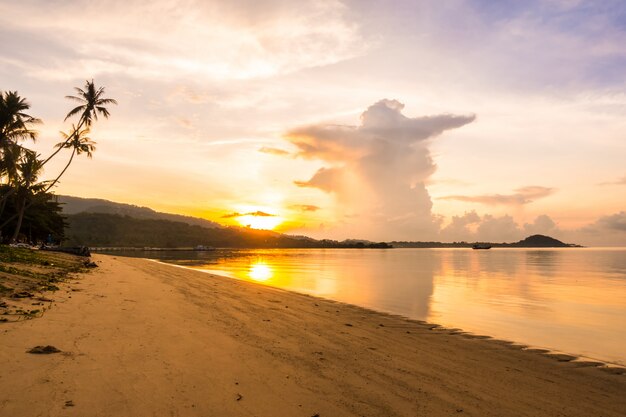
257, 213
614, 222
231, 215
325, 179
521, 196
304, 207
274, 151
620, 181
191, 95
543, 225
184, 122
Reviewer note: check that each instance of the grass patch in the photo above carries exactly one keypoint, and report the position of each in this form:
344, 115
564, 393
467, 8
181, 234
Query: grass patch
26, 274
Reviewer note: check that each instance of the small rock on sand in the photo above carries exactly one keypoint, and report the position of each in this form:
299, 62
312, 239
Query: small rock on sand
44, 350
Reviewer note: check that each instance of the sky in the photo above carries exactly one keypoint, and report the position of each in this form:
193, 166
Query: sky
382, 120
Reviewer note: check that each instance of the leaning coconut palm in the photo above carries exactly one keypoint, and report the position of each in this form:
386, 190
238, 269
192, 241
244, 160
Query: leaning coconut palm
31, 167
78, 141
92, 102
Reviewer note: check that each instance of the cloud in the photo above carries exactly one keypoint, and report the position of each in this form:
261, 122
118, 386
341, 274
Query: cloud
304, 207
240, 39
498, 229
257, 213
377, 169
620, 181
608, 230
521, 196
613, 222
274, 151
543, 225
472, 227
458, 228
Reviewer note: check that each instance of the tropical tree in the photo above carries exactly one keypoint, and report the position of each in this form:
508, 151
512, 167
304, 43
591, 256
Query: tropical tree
27, 186
15, 126
15, 123
92, 103
78, 141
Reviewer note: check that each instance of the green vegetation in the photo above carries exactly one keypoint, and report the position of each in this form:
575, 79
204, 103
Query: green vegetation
25, 275
25, 200
111, 230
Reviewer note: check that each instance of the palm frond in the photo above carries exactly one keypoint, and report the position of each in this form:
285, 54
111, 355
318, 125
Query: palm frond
75, 98
74, 111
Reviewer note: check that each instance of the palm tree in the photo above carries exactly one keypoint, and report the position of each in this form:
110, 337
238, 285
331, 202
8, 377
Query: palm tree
26, 185
92, 103
15, 125
78, 141
14, 122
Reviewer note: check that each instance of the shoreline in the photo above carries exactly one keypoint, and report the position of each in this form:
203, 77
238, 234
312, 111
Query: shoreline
442, 327
141, 339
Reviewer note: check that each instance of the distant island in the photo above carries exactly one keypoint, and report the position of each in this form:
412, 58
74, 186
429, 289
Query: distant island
102, 223
534, 241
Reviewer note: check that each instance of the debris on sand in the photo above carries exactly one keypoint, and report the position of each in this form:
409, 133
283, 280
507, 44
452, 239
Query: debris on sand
44, 350
22, 294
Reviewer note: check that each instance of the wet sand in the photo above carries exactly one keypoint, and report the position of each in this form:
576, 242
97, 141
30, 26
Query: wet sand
140, 338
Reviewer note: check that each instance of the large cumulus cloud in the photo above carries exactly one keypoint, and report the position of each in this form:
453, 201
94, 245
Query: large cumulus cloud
377, 170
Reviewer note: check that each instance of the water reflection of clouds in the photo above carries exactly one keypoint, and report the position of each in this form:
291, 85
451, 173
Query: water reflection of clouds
569, 299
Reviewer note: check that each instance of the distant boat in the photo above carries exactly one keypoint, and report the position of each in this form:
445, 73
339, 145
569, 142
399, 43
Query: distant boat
204, 248
481, 246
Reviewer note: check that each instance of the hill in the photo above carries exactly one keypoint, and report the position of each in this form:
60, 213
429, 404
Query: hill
114, 230
539, 241
75, 205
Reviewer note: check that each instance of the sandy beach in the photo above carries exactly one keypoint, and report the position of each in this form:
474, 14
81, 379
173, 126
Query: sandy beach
139, 338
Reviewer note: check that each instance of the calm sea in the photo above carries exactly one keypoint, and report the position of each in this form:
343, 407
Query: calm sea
571, 300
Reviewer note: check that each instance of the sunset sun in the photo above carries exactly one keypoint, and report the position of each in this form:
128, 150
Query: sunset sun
256, 221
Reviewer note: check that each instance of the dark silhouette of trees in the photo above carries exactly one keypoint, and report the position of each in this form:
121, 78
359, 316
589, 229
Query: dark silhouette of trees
20, 167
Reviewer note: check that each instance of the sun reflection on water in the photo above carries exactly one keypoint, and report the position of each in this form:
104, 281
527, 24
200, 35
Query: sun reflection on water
260, 271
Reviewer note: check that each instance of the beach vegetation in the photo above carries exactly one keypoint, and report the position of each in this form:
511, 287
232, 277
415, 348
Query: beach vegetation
25, 199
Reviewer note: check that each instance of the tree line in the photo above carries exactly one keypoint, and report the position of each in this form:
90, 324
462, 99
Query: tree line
114, 230
28, 210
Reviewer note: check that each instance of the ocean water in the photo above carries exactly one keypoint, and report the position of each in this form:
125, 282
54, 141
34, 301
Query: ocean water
571, 300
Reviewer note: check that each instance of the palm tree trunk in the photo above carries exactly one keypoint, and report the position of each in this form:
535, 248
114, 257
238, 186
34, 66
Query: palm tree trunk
18, 226
62, 172
4, 200
82, 122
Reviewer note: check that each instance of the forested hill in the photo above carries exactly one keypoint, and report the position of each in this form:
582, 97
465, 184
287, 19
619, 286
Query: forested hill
540, 241
75, 205
114, 230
